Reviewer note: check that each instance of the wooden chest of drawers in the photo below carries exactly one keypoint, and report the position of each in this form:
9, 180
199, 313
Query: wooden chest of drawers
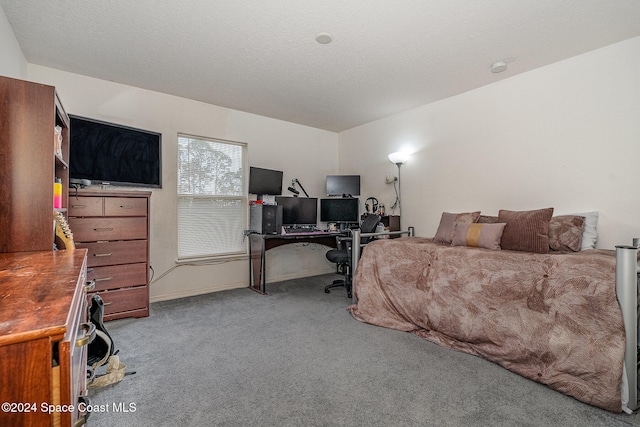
114, 228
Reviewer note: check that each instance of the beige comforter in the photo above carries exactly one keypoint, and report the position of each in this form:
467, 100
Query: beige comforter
551, 318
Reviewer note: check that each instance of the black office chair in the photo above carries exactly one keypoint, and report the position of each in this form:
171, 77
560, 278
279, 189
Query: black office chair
342, 255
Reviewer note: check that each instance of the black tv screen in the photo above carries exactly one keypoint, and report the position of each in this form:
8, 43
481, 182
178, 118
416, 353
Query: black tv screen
113, 154
265, 181
298, 210
343, 185
339, 210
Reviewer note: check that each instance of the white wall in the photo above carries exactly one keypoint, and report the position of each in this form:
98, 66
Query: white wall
12, 61
565, 136
271, 143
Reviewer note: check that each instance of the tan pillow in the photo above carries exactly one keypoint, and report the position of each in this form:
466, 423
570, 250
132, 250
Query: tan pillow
447, 220
478, 235
526, 231
565, 233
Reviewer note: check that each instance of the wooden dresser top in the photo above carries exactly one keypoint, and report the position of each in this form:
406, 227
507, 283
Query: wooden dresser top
37, 290
108, 193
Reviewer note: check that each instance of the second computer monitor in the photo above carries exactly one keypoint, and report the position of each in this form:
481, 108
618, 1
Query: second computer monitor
265, 181
343, 185
342, 210
298, 210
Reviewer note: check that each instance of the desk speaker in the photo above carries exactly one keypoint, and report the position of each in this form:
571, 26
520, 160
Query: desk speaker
265, 219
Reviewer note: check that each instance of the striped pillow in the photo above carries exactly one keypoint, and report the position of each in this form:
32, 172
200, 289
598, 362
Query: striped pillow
526, 231
486, 236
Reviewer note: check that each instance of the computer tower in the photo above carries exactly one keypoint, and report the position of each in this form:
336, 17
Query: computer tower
265, 219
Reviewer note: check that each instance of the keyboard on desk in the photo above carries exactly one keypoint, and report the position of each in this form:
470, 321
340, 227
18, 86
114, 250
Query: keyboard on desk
302, 230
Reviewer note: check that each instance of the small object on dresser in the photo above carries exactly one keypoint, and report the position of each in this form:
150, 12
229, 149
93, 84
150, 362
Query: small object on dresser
57, 194
57, 141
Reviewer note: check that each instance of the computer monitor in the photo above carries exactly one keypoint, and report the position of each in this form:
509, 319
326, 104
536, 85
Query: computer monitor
342, 210
298, 210
265, 181
339, 185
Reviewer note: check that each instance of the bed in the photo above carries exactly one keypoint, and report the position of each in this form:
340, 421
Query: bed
551, 317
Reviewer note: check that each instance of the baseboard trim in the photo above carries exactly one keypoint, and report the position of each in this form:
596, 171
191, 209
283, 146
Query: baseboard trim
236, 285
198, 291
307, 273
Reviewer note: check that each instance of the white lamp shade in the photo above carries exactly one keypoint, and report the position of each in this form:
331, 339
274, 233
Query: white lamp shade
398, 157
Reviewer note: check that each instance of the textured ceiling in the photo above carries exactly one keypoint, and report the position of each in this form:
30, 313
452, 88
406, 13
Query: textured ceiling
260, 56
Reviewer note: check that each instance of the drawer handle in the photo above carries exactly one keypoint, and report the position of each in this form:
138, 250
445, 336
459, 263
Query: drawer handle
91, 285
109, 254
103, 279
89, 334
103, 229
78, 206
126, 206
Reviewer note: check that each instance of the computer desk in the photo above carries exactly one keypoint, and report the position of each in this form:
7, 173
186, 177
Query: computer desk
261, 243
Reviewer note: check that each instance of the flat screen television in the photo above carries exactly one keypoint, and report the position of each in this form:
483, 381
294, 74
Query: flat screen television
298, 210
265, 181
107, 153
339, 210
343, 185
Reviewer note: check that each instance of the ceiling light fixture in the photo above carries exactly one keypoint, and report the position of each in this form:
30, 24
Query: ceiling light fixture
324, 38
498, 67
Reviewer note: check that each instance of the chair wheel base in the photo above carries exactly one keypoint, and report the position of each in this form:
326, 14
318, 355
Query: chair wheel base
338, 283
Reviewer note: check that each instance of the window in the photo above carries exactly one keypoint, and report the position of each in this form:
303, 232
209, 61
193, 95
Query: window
212, 205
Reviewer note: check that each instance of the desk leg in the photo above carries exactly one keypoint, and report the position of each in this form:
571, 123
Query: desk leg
257, 263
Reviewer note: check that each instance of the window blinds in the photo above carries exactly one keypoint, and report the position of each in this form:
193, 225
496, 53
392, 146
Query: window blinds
211, 200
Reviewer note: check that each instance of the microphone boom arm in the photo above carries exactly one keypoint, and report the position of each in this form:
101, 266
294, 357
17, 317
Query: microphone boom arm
301, 187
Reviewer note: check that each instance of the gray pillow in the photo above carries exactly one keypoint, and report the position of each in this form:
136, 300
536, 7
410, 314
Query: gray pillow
447, 220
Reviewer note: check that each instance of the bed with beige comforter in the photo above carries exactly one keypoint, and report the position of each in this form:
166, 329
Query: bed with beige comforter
553, 318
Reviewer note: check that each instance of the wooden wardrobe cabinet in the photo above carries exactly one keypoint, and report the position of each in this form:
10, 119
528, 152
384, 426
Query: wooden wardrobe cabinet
29, 113
44, 332
114, 227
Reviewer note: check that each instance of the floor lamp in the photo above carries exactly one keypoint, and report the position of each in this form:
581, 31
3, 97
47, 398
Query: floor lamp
399, 158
